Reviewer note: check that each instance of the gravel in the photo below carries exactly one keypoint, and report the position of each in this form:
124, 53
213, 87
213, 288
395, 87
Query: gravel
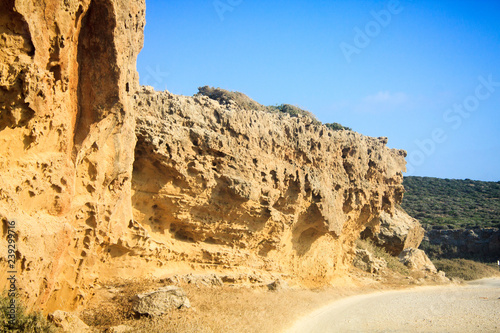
474, 307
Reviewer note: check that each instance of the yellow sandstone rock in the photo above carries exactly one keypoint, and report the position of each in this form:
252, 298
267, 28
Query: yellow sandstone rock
66, 139
209, 186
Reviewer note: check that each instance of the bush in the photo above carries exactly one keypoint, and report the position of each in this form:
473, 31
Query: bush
293, 111
337, 127
225, 97
33, 322
465, 269
452, 203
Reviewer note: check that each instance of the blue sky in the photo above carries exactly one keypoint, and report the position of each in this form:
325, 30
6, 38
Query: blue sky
426, 74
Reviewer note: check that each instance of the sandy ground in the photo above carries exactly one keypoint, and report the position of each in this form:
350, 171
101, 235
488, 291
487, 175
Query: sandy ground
474, 307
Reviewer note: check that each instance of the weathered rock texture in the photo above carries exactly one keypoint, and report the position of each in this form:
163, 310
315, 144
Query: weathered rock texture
215, 187
67, 70
223, 188
395, 232
68, 322
367, 262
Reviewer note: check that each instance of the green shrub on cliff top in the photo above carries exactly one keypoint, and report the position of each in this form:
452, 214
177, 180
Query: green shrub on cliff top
225, 97
243, 101
337, 127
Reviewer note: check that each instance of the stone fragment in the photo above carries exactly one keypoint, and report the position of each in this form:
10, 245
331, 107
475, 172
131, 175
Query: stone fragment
367, 262
158, 302
277, 285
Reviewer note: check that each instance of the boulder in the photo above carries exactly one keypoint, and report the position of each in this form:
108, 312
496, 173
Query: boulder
417, 260
396, 232
158, 302
68, 322
367, 262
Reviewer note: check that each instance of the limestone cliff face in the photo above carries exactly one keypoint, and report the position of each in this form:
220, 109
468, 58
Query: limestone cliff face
67, 70
220, 187
210, 187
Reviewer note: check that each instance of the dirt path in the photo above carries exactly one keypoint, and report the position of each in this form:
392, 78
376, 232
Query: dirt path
471, 308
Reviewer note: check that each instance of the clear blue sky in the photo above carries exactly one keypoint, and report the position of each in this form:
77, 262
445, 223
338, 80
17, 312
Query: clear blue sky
426, 74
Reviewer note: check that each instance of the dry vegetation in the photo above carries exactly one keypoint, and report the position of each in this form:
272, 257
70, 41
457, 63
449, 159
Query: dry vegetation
25, 321
226, 97
466, 269
222, 309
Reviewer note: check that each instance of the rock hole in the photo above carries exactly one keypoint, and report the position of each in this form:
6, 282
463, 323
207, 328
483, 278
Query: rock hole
56, 72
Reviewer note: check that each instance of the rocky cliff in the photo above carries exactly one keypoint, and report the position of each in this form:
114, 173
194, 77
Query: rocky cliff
479, 243
209, 186
67, 70
222, 187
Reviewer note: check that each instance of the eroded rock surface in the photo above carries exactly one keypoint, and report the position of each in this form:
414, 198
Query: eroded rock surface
215, 187
67, 70
367, 262
222, 187
68, 322
395, 232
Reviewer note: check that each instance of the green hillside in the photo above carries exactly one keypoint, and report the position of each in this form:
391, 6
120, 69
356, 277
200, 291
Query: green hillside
452, 203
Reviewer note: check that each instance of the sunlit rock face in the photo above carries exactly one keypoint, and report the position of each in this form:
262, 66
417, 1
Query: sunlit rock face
223, 187
67, 73
209, 187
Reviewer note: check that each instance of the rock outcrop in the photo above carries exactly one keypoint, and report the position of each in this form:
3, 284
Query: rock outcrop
395, 232
417, 260
209, 186
367, 262
67, 71
221, 187
68, 322
478, 243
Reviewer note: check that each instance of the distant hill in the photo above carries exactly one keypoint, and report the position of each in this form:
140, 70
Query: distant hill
452, 203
